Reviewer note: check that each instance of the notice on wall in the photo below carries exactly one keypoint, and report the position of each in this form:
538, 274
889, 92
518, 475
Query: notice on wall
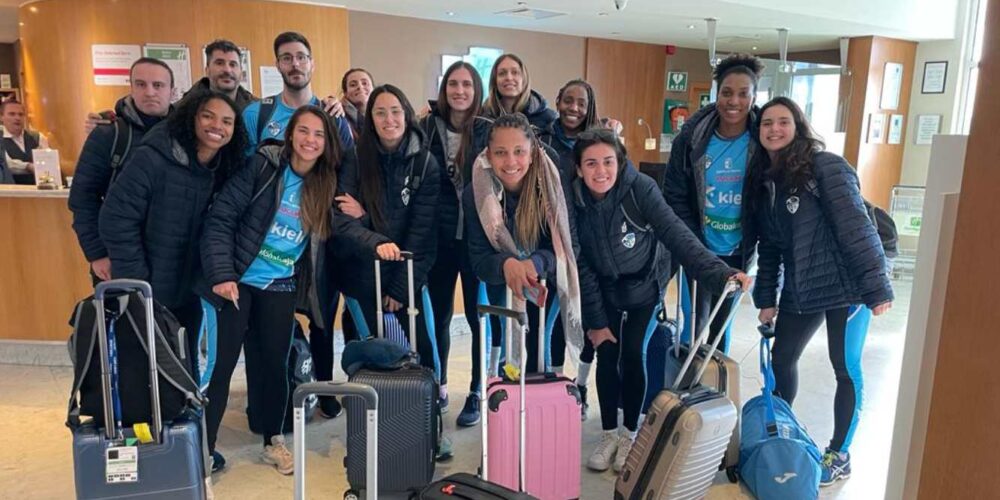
5, 81
111, 63
895, 129
270, 81
927, 127
46, 162
178, 57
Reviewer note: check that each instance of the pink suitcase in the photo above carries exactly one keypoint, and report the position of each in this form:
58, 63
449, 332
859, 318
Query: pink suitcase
544, 460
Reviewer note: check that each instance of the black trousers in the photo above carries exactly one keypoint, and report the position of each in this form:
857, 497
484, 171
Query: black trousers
452, 262
264, 323
706, 301
621, 370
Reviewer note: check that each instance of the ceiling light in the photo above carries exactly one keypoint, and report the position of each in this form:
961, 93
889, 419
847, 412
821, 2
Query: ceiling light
690, 26
450, 13
753, 48
602, 13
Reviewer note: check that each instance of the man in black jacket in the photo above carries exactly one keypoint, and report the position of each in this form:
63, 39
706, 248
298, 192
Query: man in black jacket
223, 73
107, 148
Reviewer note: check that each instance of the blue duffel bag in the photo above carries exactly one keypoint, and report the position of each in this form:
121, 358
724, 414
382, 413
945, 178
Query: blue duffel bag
778, 459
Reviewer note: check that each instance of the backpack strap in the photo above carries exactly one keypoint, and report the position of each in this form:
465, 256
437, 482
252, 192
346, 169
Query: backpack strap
630, 207
414, 182
120, 146
267, 107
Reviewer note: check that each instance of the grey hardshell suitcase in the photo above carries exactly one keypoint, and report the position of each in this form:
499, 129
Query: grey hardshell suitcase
171, 467
678, 449
356, 393
410, 416
722, 374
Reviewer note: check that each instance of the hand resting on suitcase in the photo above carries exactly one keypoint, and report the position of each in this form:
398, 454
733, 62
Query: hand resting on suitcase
388, 251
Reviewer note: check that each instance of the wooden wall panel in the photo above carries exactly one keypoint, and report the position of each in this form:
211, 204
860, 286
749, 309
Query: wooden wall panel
59, 85
960, 453
629, 80
879, 165
45, 273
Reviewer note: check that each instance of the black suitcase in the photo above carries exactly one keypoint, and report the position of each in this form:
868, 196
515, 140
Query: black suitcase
467, 486
409, 417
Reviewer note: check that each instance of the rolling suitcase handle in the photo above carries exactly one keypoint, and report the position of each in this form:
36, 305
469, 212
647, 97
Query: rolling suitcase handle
344, 389
510, 315
732, 287
144, 289
411, 311
678, 315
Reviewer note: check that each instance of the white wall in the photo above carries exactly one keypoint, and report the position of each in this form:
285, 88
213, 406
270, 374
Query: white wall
916, 158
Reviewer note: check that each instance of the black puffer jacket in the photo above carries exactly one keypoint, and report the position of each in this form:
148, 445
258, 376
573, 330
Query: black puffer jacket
684, 183
824, 240
625, 263
555, 138
243, 96
92, 177
537, 111
411, 224
152, 218
435, 128
239, 221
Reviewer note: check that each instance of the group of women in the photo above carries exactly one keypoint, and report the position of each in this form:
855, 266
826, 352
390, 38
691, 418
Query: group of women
508, 194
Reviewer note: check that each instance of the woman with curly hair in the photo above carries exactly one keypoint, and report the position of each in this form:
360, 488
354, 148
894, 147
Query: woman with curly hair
815, 230
706, 184
151, 220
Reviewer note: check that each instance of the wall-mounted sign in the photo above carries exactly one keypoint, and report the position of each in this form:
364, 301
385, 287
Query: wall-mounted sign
178, 57
927, 127
935, 76
876, 128
892, 82
704, 99
677, 81
270, 81
895, 129
111, 63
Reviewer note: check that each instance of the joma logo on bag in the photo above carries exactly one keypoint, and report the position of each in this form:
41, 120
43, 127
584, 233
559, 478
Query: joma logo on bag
784, 478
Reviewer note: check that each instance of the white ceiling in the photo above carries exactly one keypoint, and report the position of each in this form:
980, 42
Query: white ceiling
742, 24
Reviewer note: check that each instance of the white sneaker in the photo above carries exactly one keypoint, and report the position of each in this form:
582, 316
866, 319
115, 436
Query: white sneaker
604, 454
624, 447
277, 454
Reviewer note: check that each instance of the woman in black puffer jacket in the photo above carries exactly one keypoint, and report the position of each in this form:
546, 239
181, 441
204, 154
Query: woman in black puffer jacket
624, 270
396, 181
456, 134
815, 230
151, 220
260, 253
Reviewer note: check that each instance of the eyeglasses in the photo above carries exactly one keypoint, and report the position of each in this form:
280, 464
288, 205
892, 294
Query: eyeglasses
289, 59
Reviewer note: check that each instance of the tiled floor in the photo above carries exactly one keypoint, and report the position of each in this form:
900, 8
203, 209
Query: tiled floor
35, 460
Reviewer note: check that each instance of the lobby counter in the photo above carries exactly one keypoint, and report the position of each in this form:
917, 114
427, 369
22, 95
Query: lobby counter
43, 273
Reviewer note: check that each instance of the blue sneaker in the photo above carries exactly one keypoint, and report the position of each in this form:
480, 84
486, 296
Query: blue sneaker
470, 412
835, 466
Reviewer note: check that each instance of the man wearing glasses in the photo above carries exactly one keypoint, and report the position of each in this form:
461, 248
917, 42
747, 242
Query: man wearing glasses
267, 118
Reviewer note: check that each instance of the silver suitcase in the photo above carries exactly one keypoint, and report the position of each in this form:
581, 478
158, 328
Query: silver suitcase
681, 443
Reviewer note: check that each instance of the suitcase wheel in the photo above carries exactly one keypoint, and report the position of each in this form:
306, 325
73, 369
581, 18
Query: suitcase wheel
731, 473
351, 495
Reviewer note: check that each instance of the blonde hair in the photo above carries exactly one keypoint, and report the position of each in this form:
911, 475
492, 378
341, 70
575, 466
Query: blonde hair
494, 103
529, 218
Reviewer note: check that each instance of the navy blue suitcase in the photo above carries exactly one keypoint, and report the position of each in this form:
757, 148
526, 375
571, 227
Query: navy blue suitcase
172, 466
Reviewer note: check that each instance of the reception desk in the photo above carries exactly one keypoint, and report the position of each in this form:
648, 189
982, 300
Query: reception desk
43, 273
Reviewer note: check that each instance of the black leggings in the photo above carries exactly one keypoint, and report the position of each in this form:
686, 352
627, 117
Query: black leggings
845, 329
264, 322
621, 368
706, 301
452, 261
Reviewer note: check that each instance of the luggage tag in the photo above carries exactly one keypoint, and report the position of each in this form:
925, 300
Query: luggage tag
121, 464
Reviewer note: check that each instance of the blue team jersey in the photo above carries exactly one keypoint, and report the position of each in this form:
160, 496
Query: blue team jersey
275, 126
725, 171
274, 265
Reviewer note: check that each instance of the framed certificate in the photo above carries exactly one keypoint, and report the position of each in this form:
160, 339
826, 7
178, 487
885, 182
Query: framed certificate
935, 77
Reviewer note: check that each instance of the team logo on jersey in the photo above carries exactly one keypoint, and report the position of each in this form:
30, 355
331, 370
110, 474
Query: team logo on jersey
624, 227
792, 204
274, 128
628, 241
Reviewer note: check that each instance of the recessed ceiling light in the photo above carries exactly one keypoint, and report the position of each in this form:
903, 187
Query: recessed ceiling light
602, 13
690, 26
753, 48
450, 13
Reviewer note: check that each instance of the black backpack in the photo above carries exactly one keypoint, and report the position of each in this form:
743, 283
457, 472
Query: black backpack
126, 315
884, 225
120, 147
